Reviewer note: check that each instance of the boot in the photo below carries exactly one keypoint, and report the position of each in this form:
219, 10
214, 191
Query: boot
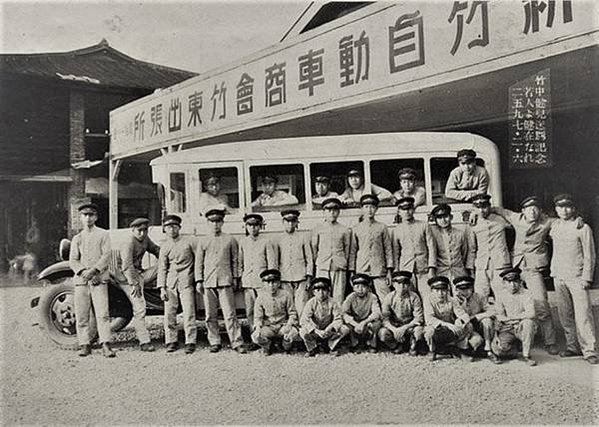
107, 351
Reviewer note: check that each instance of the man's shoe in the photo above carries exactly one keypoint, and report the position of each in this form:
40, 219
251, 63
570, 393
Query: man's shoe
310, 353
494, 358
413, 351
147, 347
398, 349
569, 353
336, 353
433, 356
529, 361
552, 349
467, 357
372, 350
85, 350
190, 348
239, 349
593, 360
253, 347
172, 346
266, 351
215, 348
107, 351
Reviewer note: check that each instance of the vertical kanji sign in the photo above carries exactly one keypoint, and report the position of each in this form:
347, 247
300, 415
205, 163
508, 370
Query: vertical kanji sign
530, 122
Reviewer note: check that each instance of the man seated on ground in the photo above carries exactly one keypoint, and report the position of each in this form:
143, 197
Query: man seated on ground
322, 190
515, 318
321, 320
468, 179
403, 318
271, 196
356, 189
408, 187
362, 314
474, 314
274, 314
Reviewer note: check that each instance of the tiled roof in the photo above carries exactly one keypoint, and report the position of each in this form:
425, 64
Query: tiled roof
98, 65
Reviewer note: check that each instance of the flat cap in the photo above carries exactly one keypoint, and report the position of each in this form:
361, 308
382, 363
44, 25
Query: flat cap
564, 199
270, 178
466, 154
405, 203
354, 172
290, 214
530, 201
441, 210
406, 173
401, 276
321, 283
253, 219
270, 275
369, 199
463, 282
511, 274
481, 199
438, 282
214, 215
332, 203
212, 179
360, 278
322, 178
88, 208
139, 221
171, 220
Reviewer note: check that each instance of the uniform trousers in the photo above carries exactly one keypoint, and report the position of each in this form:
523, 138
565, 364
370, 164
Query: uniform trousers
536, 286
421, 283
264, 335
481, 332
368, 335
441, 335
187, 297
576, 315
86, 296
249, 297
311, 339
392, 340
381, 287
338, 280
506, 334
299, 291
488, 279
225, 297
139, 312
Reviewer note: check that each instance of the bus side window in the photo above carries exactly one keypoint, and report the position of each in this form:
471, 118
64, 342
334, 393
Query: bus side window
384, 175
177, 192
219, 189
441, 167
331, 180
275, 187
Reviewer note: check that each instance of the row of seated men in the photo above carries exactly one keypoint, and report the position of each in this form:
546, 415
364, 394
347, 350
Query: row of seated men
217, 264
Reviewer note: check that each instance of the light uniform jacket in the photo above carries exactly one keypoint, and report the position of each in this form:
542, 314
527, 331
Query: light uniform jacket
437, 311
331, 243
319, 315
359, 309
371, 249
476, 305
398, 310
419, 195
294, 253
455, 251
490, 242
208, 201
216, 260
274, 310
90, 249
463, 186
278, 198
353, 196
414, 247
519, 304
256, 254
573, 251
175, 263
132, 253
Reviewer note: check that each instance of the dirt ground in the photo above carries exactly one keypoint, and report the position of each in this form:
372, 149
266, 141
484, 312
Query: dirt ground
42, 384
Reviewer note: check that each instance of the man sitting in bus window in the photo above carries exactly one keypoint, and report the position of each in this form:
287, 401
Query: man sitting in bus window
211, 198
271, 196
322, 187
356, 189
468, 179
408, 187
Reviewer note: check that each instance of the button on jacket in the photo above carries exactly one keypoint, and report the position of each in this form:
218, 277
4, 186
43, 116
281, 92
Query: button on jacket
437, 311
295, 256
573, 251
398, 310
413, 247
371, 249
455, 251
490, 242
256, 254
331, 244
175, 263
359, 309
216, 261
90, 249
132, 253
463, 186
320, 314
516, 305
274, 310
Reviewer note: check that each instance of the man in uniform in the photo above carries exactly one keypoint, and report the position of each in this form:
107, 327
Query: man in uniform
216, 273
89, 259
275, 314
362, 313
492, 252
413, 245
321, 320
132, 277
356, 189
572, 267
408, 187
322, 189
295, 261
271, 196
331, 244
371, 251
468, 179
515, 318
175, 281
403, 317
211, 198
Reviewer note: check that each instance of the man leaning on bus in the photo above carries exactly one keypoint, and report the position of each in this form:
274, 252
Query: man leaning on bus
468, 179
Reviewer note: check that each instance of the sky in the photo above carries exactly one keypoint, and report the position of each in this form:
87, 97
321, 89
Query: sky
192, 35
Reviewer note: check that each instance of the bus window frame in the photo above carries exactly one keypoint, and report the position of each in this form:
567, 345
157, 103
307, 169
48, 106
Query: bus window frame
189, 205
239, 165
319, 160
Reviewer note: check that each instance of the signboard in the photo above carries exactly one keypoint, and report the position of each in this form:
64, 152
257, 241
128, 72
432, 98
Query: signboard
530, 122
382, 50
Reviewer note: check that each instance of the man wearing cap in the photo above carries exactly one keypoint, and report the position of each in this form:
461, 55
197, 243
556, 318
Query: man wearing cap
455, 248
371, 251
216, 272
515, 317
476, 315
413, 245
362, 313
321, 320
176, 282
295, 260
467, 179
211, 197
89, 258
572, 268
408, 187
403, 317
356, 189
331, 244
275, 314
441, 328
256, 254
322, 190
490, 245
271, 196
132, 278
